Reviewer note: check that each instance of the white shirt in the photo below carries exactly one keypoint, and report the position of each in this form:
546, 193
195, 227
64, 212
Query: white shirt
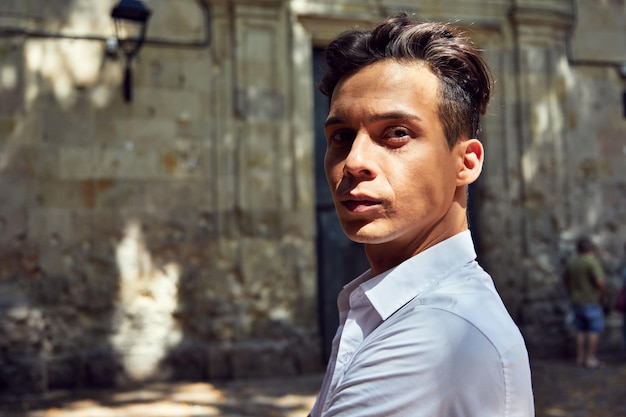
428, 338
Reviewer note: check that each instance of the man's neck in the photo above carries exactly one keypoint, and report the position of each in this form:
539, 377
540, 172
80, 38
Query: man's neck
385, 256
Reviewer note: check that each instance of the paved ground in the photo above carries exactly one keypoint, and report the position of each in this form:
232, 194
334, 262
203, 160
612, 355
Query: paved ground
561, 390
564, 390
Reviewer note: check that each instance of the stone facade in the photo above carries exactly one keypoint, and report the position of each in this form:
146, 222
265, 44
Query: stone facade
173, 237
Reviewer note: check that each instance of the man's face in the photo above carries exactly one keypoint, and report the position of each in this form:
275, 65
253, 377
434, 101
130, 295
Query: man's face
390, 170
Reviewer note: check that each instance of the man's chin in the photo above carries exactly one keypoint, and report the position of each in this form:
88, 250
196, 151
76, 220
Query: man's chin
366, 237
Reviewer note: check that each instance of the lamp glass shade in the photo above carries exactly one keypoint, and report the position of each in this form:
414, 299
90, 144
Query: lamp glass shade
131, 21
133, 10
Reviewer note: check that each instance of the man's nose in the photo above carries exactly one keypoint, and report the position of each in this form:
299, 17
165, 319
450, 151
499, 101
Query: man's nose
360, 160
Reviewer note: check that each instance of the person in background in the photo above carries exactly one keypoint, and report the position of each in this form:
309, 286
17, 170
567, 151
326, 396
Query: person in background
584, 281
423, 332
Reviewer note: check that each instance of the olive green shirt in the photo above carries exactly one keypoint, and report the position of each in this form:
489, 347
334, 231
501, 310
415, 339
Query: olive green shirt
583, 274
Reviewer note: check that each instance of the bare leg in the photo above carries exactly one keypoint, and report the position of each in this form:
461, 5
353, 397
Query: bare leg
591, 359
580, 348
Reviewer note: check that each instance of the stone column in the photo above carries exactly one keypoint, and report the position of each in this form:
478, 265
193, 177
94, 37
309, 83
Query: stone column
541, 63
273, 221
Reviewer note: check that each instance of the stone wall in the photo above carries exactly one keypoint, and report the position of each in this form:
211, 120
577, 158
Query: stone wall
572, 137
169, 237
173, 237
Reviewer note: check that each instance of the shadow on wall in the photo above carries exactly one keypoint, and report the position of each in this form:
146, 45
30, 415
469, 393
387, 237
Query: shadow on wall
53, 306
111, 269
82, 301
564, 192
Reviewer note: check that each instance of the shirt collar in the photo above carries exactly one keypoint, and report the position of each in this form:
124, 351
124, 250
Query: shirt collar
392, 289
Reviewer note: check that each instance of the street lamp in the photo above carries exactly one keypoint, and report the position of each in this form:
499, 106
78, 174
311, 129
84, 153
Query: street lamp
131, 22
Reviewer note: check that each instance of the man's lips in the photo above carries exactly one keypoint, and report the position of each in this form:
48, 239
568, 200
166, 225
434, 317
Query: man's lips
359, 204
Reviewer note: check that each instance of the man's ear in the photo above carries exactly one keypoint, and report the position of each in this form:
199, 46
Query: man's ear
471, 155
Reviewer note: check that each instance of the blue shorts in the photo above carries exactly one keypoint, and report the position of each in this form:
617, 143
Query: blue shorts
588, 318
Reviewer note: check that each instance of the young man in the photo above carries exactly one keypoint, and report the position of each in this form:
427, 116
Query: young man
423, 332
584, 281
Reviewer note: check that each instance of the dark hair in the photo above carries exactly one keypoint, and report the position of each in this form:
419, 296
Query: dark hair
584, 245
465, 79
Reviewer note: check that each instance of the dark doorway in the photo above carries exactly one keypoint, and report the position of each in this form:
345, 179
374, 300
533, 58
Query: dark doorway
339, 259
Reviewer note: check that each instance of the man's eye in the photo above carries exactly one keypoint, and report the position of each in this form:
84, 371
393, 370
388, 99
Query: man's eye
397, 132
341, 138
396, 136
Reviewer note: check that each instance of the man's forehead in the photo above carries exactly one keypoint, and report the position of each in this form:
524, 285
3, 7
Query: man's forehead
386, 75
385, 93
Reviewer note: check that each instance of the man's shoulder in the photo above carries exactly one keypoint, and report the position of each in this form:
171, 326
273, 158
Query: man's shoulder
451, 319
590, 261
579, 263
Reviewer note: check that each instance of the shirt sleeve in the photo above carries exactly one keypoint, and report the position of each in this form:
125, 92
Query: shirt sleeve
433, 363
597, 271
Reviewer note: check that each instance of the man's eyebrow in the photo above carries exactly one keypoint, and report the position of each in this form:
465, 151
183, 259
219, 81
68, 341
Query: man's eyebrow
333, 121
396, 115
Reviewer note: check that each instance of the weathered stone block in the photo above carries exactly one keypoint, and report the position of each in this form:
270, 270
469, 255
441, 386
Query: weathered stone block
308, 355
183, 22
23, 375
187, 362
219, 363
167, 103
101, 368
262, 359
65, 372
